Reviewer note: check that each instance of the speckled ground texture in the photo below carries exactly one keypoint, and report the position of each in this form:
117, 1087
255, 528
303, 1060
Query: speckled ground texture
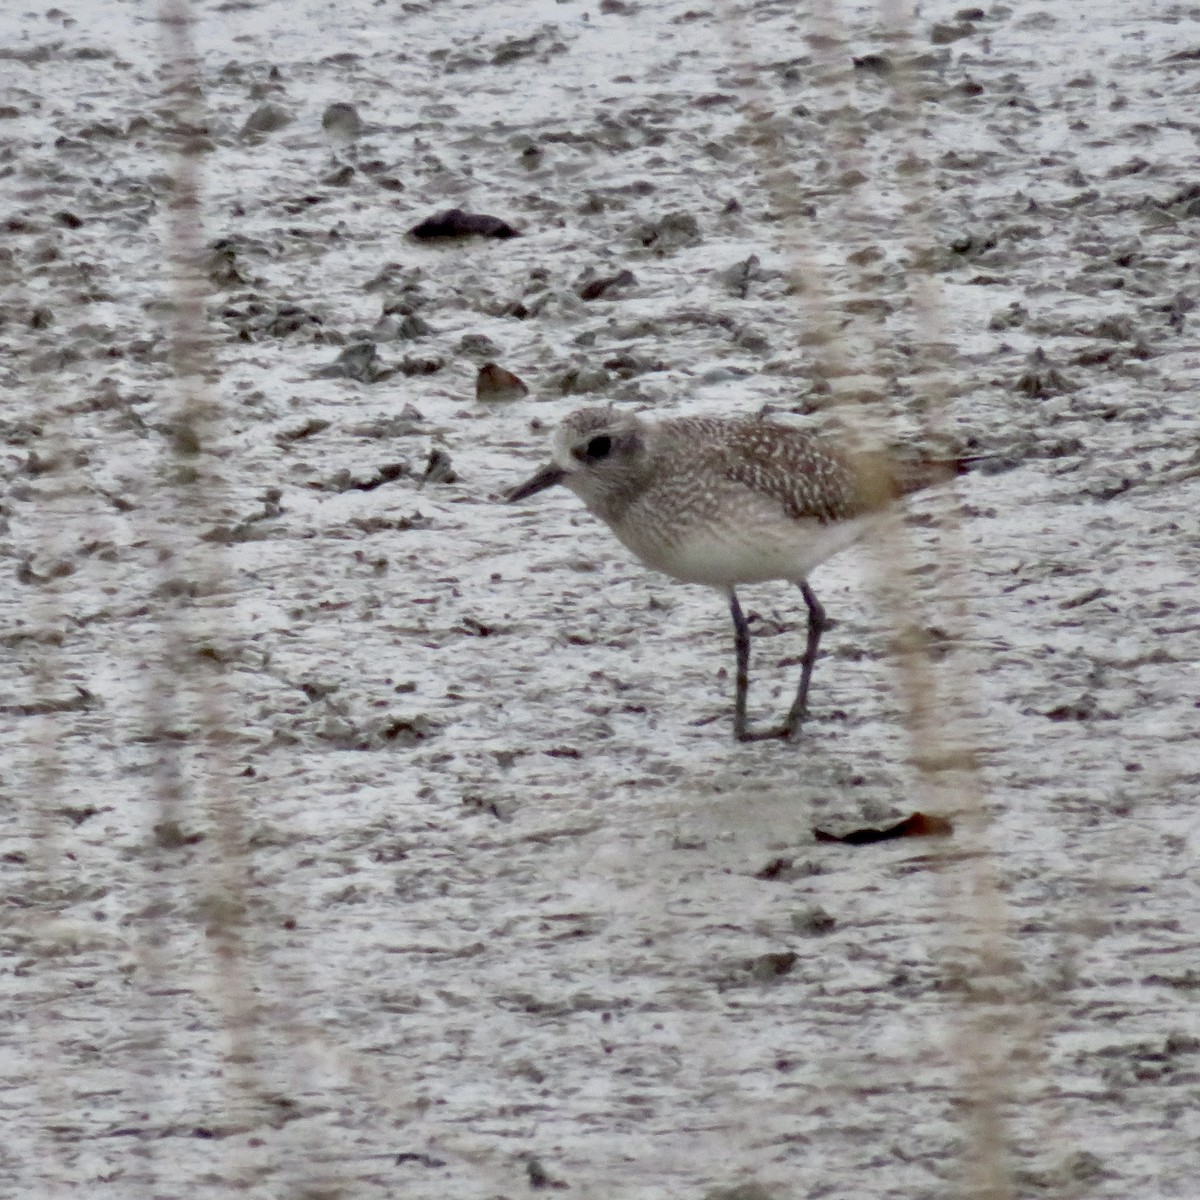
365, 838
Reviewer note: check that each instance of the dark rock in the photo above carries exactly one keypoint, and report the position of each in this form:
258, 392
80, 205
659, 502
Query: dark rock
359, 361
344, 481
494, 383
222, 265
669, 232
393, 277
410, 365
741, 1191
582, 379
942, 34
539, 1178
255, 319
266, 118
82, 701
814, 921
515, 49
752, 340
626, 365
737, 278
312, 426
598, 289
876, 64
771, 966
171, 835
477, 345
402, 424
412, 327
1042, 378
455, 223
342, 122
438, 468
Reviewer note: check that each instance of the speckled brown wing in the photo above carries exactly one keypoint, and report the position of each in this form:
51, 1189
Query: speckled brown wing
814, 480
810, 479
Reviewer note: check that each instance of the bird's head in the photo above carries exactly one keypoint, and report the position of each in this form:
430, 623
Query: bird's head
596, 452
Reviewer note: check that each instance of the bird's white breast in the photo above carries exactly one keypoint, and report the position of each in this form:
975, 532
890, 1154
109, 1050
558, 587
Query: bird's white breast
725, 554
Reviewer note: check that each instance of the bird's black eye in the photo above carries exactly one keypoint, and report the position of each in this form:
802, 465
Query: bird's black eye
599, 447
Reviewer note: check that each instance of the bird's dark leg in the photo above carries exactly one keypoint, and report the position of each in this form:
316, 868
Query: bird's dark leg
741, 641
816, 626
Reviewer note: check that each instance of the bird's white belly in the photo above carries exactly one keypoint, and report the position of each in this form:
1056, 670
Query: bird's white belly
722, 556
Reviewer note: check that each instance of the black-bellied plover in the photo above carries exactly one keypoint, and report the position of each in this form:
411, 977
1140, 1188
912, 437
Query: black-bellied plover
725, 501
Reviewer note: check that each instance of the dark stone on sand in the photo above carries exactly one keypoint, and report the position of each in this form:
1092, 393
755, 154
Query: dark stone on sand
342, 122
771, 966
222, 265
412, 326
597, 289
477, 345
515, 49
345, 481
421, 366
626, 365
455, 223
438, 468
359, 361
407, 422
813, 921
494, 383
752, 340
738, 277
580, 380
943, 34
877, 64
539, 1178
266, 118
1042, 378
669, 232
742, 1191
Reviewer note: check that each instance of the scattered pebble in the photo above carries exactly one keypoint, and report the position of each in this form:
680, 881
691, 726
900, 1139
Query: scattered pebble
438, 468
606, 287
342, 123
360, 362
265, 119
495, 384
454, 223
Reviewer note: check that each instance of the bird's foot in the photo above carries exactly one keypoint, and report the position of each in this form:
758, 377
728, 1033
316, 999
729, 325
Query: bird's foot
787, 732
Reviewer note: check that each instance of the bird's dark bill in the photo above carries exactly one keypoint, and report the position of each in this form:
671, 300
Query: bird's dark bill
548, 476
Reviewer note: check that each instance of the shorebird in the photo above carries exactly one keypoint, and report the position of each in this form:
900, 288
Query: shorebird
728, 501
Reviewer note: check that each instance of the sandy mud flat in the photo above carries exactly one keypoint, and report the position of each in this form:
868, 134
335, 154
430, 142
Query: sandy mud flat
363, 836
